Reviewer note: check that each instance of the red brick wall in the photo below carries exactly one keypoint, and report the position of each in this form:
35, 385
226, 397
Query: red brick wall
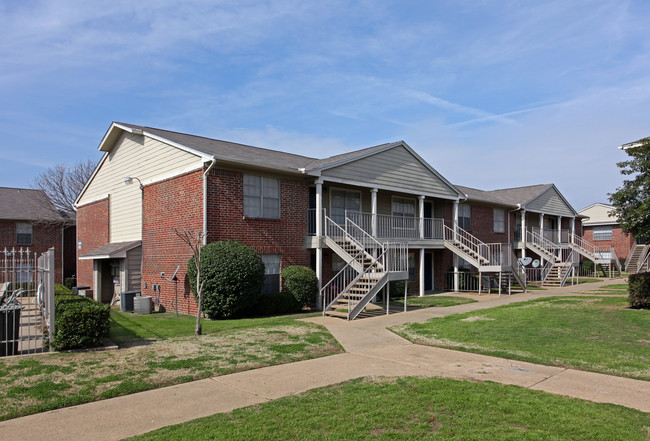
43, 238
483, 224
621, 242
92, 231
284, 236
173, 203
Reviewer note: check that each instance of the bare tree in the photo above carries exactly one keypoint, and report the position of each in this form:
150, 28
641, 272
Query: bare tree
62, 183
195, 240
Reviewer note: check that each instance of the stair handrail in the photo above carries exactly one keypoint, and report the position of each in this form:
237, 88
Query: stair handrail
549, 247
517, 269
338, 285
457, 234
643, 257
545, 271
363, 236
573, 259
628, 259
395, 256
614, 257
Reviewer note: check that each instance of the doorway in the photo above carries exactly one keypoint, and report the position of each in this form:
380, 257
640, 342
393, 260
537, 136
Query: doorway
428, 271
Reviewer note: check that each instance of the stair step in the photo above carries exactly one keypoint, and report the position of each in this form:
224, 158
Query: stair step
332, 313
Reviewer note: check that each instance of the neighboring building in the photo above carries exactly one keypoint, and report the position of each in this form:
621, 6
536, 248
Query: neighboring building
330, 214
601, 229
28, 220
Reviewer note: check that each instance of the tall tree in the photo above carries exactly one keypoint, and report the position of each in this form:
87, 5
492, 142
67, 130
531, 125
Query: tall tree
632, 201
62, 183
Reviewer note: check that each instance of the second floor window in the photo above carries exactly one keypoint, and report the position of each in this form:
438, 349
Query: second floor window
465, 217
23, 233
261, 197
499, 220
603, 232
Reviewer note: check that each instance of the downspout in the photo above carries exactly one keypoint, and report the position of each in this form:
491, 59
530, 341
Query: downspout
213, 161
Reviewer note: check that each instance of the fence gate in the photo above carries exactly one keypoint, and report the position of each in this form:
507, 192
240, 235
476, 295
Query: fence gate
26, 301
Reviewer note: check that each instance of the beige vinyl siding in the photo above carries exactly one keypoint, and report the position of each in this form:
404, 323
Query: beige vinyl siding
394, 168
135, 156
550, 202
598, 214
133, 271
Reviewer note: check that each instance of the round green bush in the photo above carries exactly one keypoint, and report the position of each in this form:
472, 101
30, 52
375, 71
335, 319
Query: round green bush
302, 283
275, 304
80, 322
61, 290
233, 275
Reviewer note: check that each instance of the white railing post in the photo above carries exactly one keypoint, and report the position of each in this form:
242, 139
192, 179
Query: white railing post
373, 210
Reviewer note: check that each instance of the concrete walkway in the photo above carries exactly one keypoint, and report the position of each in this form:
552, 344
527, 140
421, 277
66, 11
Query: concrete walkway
371, 351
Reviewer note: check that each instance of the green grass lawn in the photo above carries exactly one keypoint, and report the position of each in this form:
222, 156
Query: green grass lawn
418, 409
598, 334
431, 301
155, 350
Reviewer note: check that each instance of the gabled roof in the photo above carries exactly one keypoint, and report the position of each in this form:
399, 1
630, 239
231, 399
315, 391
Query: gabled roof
27, 204
223, 151
227, 151
516, 197
598, 214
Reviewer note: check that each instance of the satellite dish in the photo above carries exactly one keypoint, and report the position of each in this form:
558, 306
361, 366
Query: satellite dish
535, 263
525, 261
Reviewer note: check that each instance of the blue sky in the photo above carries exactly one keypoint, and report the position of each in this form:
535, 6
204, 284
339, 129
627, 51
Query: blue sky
492, 94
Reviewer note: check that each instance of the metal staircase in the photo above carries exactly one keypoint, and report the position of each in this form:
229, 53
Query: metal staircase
601, 255
541, 246
370, 265
637, 258
486, 257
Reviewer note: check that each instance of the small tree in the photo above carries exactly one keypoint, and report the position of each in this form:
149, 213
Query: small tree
632, 201
62, 183
195, 240
233, 275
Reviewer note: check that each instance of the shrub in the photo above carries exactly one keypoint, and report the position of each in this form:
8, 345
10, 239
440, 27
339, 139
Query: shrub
233, 275
80, 322
61, 290
274, 304
639, 287
302, 283
70, 282
397, 288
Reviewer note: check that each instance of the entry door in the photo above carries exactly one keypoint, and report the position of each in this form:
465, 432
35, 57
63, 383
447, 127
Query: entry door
428, 271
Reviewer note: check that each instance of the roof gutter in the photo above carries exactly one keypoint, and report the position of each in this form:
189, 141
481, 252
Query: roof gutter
213, 161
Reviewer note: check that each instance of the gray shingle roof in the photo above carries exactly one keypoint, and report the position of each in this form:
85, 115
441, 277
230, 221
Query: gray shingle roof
505, 196
111, 250
232, 151
27, 204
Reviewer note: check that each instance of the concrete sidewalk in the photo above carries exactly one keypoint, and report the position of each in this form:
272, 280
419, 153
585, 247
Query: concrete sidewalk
371, 351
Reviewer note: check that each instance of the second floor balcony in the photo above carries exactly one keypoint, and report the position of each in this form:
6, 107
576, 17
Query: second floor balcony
388, 227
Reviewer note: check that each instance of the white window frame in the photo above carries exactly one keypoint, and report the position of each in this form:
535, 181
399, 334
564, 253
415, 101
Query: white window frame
604, 234
261, 196
272, 263
400, 220
345, 190
462, 224
25, 226
499, 224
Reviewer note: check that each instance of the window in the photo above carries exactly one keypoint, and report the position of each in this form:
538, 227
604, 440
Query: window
499, 220
465, 217
23, 233
261, 197
271, 273
603, 232
403, 213
342, 201
337, 263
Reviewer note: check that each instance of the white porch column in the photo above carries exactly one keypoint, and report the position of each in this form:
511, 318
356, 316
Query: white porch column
319, 234
373, 209
421, 208
523, 232
455, 257
559, 229
421, 272
573, 229
541, 224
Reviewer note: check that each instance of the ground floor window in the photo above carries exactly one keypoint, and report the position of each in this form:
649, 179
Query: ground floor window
271, 273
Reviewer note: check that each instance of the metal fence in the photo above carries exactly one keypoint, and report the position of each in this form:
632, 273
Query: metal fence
26, 301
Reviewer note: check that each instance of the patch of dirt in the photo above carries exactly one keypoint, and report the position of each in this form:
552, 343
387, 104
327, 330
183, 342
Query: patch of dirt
477, 318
